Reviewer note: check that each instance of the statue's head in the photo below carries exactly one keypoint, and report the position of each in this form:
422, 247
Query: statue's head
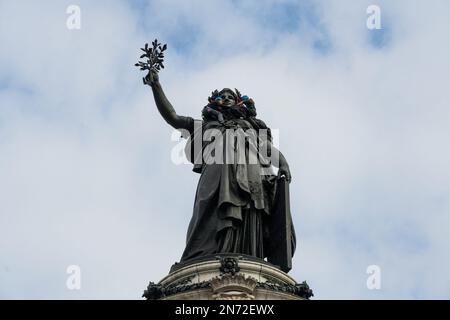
225, 97
228, 97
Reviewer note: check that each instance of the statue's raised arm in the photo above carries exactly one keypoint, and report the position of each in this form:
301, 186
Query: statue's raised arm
154, 63
165, 108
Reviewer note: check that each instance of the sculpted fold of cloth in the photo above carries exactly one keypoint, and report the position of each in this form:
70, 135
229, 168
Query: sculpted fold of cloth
237, 208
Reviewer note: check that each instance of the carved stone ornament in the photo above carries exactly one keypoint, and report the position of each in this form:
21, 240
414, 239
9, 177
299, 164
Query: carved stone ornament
229, 265
233, 287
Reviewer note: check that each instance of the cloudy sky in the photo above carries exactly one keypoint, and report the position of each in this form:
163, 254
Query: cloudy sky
86, 176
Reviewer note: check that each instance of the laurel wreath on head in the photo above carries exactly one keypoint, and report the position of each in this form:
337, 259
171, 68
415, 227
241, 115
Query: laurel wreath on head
240, 99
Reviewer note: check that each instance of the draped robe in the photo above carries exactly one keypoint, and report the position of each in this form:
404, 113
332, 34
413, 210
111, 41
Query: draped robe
234, 199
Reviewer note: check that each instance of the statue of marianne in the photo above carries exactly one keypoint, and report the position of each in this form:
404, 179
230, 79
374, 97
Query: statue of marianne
235, 205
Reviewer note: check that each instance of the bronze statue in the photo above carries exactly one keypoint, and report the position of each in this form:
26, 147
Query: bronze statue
237, 209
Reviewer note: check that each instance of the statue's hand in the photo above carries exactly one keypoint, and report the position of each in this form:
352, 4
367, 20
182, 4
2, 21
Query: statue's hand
151, 78
284, 171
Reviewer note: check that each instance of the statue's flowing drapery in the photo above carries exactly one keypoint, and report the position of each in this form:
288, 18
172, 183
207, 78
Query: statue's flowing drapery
233, 200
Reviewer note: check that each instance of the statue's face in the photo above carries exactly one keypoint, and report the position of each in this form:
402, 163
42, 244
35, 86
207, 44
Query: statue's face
227, 99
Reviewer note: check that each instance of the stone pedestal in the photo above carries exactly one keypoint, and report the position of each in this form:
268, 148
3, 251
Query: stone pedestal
227, 277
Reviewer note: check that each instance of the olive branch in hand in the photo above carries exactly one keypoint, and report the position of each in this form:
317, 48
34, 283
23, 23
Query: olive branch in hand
155, 57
